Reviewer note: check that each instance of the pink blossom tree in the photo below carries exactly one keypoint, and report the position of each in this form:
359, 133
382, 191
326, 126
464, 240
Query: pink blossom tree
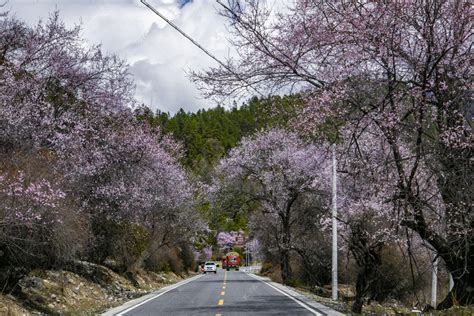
226, 239
67, 108
398, 71
279, 172
366, 211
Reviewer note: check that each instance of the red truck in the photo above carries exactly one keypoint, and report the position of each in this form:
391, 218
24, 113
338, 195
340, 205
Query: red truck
231, 261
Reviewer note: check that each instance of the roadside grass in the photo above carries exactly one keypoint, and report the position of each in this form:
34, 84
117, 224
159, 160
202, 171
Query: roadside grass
343, 305
62, 292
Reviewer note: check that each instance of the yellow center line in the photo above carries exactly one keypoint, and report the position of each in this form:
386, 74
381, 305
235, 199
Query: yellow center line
218, 315
221, 301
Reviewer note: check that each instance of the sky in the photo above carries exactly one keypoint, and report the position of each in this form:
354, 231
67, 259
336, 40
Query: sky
158, 56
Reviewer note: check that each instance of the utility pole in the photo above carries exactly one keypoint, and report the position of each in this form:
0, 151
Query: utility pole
434, 283
248, 255
334, 223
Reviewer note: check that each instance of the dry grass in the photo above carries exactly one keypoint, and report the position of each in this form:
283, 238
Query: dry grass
67, 293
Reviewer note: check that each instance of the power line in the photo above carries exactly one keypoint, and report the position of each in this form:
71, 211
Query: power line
199, 45
303, 74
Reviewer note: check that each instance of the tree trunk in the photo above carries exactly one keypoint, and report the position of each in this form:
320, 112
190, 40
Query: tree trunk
285, 266
456, 249
367, 256
286, 242
361, 291
462, 292
459, 259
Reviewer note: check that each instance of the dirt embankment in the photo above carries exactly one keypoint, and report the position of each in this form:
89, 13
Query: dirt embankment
81, 289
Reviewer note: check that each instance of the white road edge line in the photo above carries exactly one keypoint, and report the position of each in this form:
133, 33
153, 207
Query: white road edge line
158, 295
286, 294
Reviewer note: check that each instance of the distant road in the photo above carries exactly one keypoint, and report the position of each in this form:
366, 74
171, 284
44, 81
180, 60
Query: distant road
224, 293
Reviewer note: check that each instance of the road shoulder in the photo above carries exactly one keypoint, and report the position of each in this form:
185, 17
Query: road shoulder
320, 308
130, 305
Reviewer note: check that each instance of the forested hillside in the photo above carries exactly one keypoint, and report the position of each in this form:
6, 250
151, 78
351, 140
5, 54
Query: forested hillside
208, 135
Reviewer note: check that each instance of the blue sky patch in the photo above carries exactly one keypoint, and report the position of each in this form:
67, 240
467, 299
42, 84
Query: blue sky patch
182, 3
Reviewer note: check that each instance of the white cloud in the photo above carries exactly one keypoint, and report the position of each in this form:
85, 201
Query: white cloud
158, 55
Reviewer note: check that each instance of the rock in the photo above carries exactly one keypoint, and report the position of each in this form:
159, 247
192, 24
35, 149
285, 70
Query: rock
91, 271
53, 296
38, 299
55, 275
427, 308
131, 277
320, 291
113, 265
32, 282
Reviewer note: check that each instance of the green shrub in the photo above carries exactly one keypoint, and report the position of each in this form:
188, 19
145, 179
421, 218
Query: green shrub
267, 267
125, 243
165, 259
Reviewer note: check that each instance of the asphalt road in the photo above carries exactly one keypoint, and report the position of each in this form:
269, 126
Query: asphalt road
221, 294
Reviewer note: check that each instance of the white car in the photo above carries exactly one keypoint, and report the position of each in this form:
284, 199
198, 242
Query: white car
210, 267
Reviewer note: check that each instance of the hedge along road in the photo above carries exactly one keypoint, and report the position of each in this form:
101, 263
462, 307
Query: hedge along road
224, 293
